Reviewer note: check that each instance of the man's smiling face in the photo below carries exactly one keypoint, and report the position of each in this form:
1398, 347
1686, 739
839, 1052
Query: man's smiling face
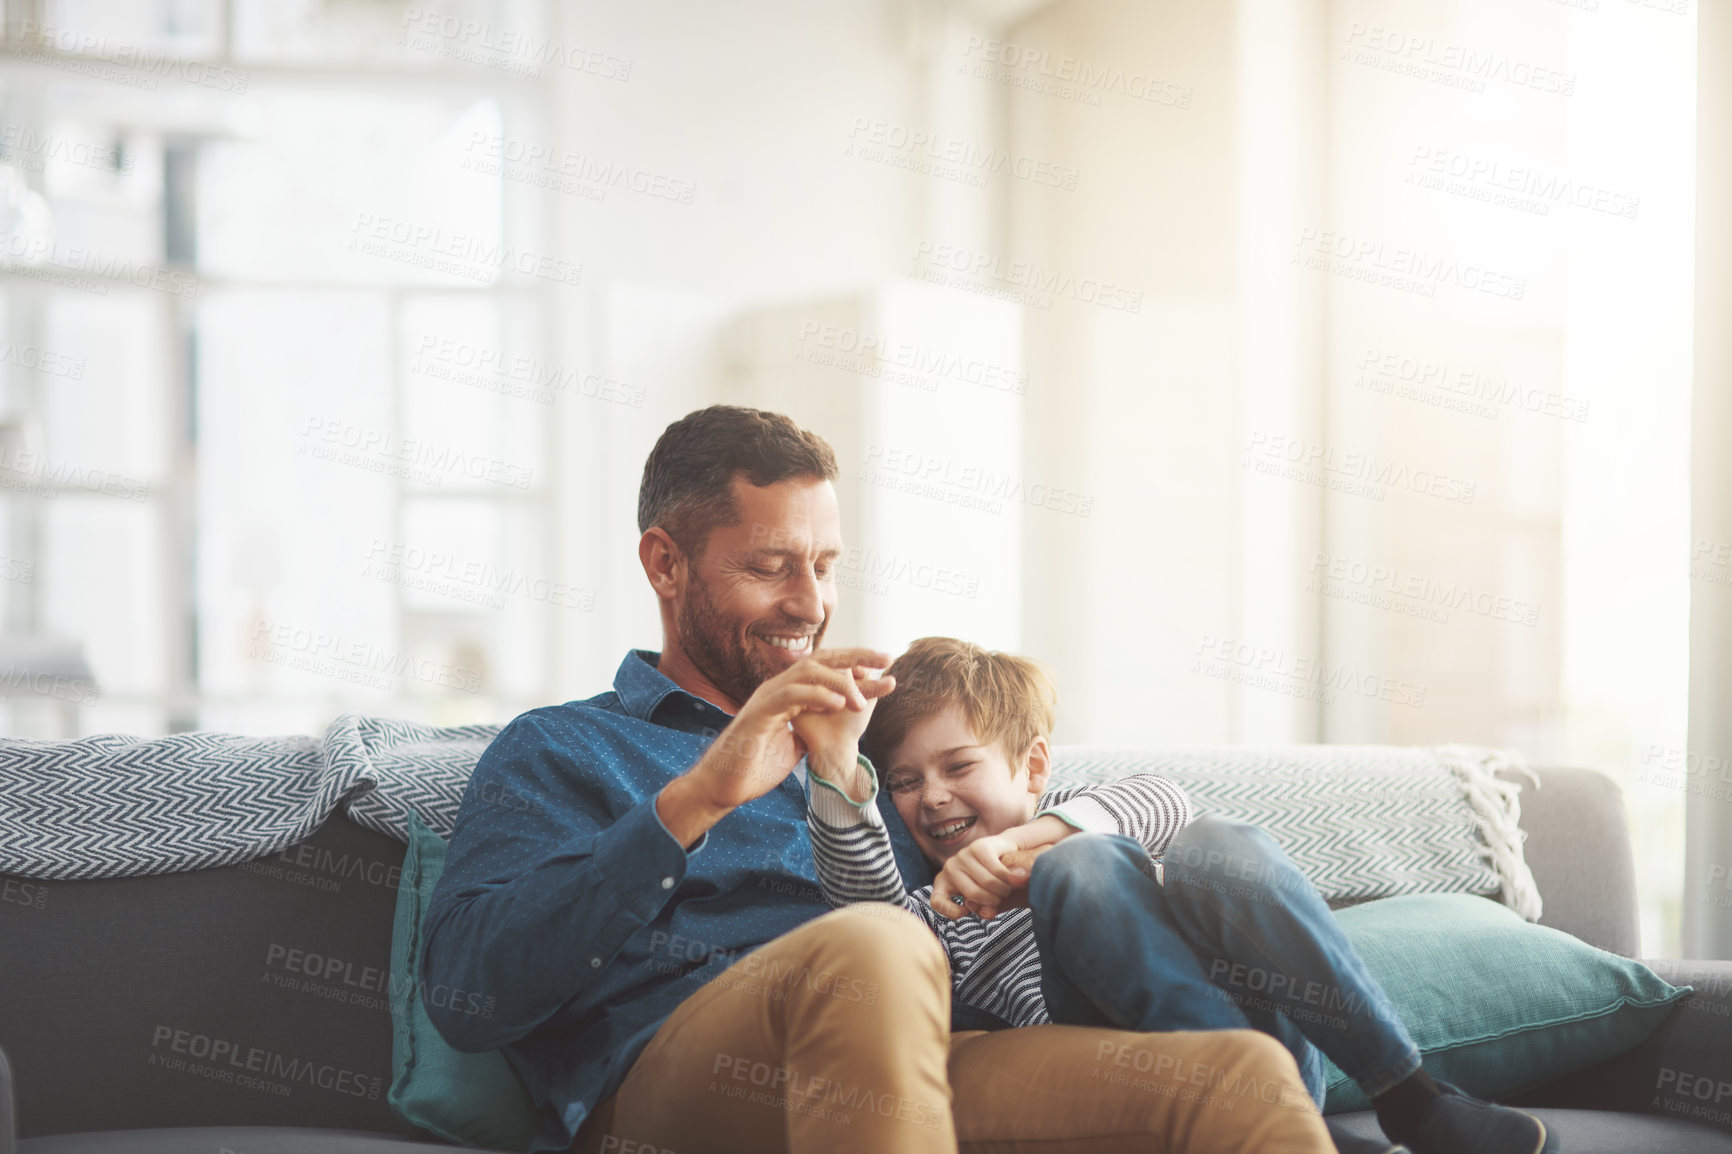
762, 592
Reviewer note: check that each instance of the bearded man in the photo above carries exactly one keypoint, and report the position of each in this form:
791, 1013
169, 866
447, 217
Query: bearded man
665, 974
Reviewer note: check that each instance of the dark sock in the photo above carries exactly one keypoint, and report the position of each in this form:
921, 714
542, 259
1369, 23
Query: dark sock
1399, 1107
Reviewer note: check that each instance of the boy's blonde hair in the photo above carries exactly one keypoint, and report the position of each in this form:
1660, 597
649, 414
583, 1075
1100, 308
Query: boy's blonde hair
1007, 700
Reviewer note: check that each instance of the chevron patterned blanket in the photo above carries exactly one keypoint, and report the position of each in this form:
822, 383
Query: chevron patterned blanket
1361, 821
114, 806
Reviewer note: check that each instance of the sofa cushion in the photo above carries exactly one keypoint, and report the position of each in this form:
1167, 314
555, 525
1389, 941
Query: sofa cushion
235, 1139
1683, 1070
250, 995
476, 1099
1594, 1132
1495, 1004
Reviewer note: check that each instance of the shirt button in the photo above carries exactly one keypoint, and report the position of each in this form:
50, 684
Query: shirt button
595, 963
667, 883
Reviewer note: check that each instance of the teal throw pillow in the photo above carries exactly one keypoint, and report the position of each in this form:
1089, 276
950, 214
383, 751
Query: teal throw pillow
475, 1099
1496, 1004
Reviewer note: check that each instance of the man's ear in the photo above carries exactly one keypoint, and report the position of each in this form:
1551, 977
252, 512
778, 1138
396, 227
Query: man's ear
1039, 765
664, 563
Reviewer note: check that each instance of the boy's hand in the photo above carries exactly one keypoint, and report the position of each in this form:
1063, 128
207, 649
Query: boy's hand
1003, 858
989, 874
759, 748
831, 739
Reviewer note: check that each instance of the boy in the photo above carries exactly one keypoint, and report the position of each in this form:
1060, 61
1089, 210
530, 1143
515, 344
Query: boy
962, 747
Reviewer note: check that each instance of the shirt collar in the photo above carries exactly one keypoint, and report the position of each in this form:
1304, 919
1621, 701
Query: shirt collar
642, 688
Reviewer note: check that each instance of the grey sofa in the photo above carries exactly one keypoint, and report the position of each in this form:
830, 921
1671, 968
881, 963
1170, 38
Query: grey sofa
246, 1009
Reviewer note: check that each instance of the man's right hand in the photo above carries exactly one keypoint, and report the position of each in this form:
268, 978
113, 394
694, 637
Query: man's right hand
758, 748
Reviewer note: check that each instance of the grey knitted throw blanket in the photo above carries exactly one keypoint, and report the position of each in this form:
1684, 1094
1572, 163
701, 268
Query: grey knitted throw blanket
1361, 821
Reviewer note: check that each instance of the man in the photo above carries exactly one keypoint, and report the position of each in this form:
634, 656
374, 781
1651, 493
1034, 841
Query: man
661, 965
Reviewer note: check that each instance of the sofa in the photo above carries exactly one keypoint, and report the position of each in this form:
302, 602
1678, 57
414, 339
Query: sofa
246, 1010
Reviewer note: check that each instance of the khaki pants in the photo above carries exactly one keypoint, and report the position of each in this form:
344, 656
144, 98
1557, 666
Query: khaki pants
835, 1038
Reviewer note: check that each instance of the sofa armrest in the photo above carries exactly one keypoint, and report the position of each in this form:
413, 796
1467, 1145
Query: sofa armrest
1688, 1056
8, 1109
1712, 979
1578, 847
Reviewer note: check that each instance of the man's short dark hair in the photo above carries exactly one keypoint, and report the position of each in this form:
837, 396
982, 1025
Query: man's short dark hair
687, 480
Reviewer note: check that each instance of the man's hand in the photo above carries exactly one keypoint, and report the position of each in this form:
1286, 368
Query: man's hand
832, 738
758, 748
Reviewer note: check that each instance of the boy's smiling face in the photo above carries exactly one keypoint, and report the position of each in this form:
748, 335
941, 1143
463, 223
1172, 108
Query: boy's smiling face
951, 790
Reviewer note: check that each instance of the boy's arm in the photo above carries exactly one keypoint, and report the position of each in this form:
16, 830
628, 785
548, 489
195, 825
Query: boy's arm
1143, 806
851, 846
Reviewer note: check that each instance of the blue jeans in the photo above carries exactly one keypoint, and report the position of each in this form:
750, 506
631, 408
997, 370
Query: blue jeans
1235, 938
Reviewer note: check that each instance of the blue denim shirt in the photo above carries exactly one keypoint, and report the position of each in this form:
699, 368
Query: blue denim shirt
572, 920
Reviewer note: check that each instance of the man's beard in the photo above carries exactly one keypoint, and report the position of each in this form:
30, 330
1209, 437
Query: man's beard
724, 653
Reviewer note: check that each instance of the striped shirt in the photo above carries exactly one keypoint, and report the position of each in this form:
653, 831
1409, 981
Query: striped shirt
994, 965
